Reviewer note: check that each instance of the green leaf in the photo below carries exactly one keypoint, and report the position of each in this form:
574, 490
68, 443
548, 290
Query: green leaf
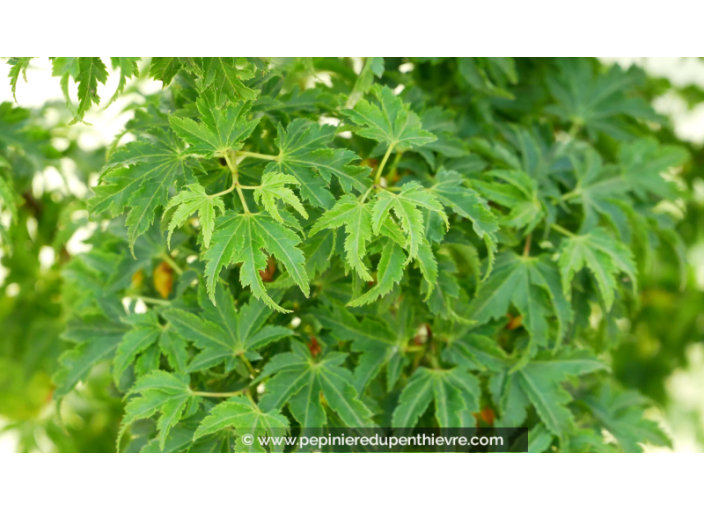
18, 65
246, 418
221, 128
455, 392
299, 380
147, 331
191, 201
539, 383
605, 257
160, 392
8, 197
91, 71
452, 193
406, 206
599, 188
222, 333
389, 273
474, 352
532, 286
129, 68
622, 415
391, 122
66, 68
539, 439
373, 66
489, 75
139, 176
518, 193
357, 219
247, 239
304, 154
373, 337
598, 101
165, 68
225, 77
97, 339
272, 189
644, 163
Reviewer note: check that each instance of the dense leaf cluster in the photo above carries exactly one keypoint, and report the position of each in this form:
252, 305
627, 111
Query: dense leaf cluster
290, 243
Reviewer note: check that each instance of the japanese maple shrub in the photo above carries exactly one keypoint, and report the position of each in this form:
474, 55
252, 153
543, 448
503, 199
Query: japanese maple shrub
339, 242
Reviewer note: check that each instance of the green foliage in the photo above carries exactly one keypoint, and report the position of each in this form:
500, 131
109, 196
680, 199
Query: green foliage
459, 251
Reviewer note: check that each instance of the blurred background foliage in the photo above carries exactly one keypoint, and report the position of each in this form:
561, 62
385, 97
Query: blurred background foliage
660, 352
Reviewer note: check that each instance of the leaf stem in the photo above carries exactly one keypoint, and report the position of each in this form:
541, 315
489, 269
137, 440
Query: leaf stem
257, 155
562, 230
576, 126
244, 202
233, 169
218, 395
235, 181
172, 263
377, 176
152, 301
366, 193
249, 366
526, 248
574, 193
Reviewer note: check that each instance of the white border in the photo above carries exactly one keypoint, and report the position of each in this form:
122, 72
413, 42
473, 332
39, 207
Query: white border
333, 481
360, 27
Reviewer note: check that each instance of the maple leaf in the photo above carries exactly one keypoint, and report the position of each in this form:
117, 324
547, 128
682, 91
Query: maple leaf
600, 189
473, 351
357, 218
226, 76
97, 339
451, 192
147, 331
532, 285
379, 344
139, 176
189, 202
160, 392
605, 257
622, 415
304, 154
91, 71
373, 66
165, 68
406, 206
246, 418
244, 238
222, 128
518, 193
644, 162
440, 122
391, 122
224, 334
18, 65
489, 75
455, 393
598, 101
67, 69
129, 68
539, 382
389, 273
273, 188
299, 379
